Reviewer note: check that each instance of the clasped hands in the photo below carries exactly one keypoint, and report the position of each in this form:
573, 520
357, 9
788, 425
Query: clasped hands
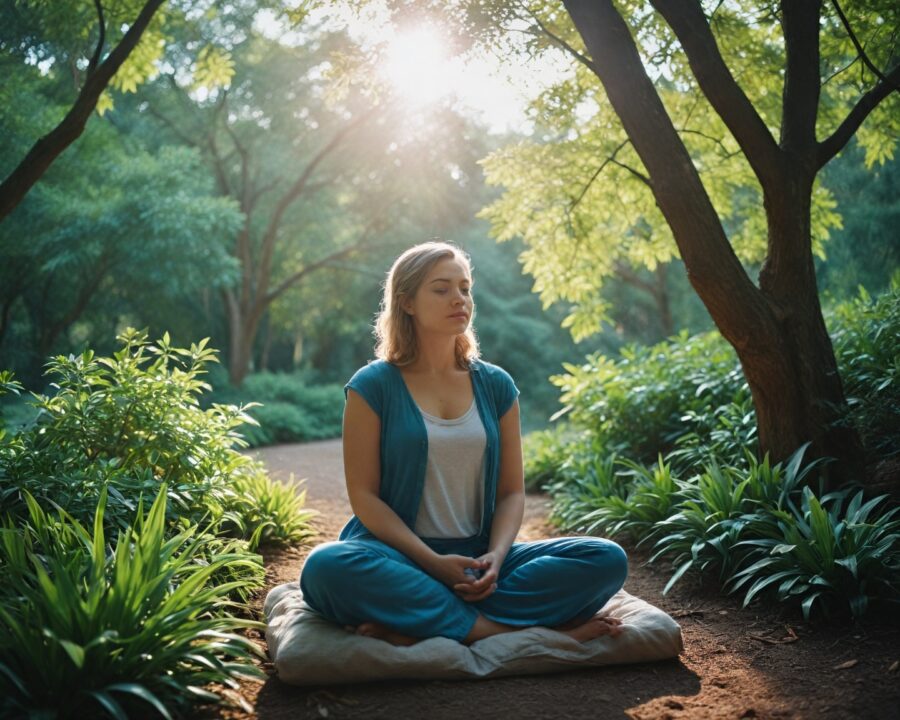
451, 570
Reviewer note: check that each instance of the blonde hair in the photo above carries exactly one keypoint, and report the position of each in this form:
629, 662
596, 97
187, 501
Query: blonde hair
394, 328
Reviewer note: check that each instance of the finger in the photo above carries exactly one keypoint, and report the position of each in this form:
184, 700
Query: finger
479, 597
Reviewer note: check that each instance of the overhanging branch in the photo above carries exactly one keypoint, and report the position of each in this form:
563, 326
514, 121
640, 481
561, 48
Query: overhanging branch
833, 144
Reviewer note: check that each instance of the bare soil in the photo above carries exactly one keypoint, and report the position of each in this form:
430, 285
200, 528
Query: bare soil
758, 662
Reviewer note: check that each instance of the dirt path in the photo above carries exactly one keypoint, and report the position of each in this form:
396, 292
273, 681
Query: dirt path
737, 663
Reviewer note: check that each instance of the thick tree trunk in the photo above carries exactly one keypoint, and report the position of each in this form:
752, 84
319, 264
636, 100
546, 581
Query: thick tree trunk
777, 330
798, 392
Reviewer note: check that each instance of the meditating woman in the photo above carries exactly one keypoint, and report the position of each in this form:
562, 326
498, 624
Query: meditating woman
433, 465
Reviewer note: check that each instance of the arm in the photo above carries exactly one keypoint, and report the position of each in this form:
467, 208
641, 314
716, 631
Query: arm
510, 506
362, 470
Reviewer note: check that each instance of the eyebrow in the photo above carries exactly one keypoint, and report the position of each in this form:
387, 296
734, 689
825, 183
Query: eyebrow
449, 280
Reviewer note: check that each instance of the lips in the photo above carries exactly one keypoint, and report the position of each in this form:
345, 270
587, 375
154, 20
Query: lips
461, 316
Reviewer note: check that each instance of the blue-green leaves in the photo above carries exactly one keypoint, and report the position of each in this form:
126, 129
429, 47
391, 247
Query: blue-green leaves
91, 624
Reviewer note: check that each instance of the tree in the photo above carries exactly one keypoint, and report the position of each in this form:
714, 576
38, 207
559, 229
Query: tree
72, 37
830, 86
323, 170
110, 232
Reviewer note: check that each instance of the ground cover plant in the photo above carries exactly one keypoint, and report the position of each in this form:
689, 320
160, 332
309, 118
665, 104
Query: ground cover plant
140, 614
707, 504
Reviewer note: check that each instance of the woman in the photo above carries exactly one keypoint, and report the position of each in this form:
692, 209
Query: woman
433, 465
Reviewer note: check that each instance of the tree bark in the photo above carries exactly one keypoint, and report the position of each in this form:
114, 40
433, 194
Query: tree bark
70, 128
777, 329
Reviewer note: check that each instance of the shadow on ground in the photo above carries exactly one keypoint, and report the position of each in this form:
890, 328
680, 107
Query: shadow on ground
597, 693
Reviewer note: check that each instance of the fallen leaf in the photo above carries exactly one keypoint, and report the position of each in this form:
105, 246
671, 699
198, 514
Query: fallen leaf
894, 666
846, 665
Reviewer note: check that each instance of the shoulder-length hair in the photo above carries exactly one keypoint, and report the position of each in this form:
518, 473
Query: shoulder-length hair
394, 329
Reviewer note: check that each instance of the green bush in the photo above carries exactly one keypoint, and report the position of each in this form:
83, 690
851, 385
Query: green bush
865, 333
267, 511
755, 526
823, 551
129, 423
285, 408
640, 404
87, 631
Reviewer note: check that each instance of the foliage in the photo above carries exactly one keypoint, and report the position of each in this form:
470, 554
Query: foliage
823, 551
111, 230
129, 423
284, 407
754, 525
87, 631
268, 512
577, 193
865, 332
627, 502
708, 505
641, 403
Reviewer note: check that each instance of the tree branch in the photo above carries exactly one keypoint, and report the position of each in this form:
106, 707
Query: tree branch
834, 143
690, 26
92, 65
639, 175
802, 83
295, 191
292, 280
560, 43
49, 147
713, 268
596, 174
859, 47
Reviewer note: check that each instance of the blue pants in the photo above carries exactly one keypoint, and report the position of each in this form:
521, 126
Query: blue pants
548, 582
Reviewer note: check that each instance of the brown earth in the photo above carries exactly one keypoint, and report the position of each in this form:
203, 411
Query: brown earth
758, 662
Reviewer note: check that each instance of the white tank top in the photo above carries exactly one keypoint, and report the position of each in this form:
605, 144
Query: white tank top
452, 498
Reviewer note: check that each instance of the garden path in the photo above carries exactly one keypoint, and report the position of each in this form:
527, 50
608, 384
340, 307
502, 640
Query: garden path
759, 662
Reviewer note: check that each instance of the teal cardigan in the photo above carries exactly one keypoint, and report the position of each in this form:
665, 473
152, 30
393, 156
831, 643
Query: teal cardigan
404, 441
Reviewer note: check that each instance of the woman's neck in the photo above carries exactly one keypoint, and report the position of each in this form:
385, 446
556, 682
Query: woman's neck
435, 358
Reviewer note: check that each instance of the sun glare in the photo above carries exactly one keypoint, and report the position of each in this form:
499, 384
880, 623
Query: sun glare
418, 66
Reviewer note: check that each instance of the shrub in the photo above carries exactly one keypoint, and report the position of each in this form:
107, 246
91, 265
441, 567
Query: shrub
546, 452
823, 552
267, 511
285, 408
129, 423
641, 403
85, 632
865, 334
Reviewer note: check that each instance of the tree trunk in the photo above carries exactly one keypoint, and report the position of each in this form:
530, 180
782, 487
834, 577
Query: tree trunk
777, 329
241, 335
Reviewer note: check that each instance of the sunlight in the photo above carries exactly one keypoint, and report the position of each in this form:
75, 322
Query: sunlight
417, 65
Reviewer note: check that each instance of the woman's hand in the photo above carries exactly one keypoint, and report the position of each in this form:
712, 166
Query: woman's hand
451, 570
474, 589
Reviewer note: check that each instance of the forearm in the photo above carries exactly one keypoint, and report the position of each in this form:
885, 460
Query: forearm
387, 526
508, 515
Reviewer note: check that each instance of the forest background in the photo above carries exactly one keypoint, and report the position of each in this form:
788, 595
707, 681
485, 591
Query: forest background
183, 180
251, 182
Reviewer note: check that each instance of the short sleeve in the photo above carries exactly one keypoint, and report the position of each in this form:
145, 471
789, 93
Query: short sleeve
505, 391
367, 383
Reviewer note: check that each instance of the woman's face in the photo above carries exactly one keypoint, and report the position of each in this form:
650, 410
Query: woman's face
443, 303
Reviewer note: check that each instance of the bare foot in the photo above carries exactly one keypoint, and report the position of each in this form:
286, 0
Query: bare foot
376, 630
595, 627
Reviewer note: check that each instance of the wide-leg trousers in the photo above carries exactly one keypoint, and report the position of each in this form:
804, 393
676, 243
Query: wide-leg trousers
547, 582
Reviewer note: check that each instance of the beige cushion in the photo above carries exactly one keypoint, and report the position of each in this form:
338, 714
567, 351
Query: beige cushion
307, 649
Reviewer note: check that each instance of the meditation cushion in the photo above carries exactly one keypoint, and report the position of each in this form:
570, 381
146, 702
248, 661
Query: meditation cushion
307, 649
